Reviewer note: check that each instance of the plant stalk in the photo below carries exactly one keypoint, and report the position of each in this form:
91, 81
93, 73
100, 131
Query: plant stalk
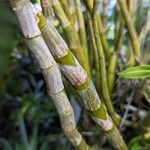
78, 77
34, 40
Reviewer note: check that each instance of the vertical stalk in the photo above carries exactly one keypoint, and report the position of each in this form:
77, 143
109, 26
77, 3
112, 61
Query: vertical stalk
71, 36
101, 31
131, 60
105, 12
81, 25
89, 4
112, 67
119, 28
50, 71
82, 31
132, 6
72, 9
112, 72
145, 29
103, 37
132, 33
96, 58
47, 8
65, 7
105, 92
83, 85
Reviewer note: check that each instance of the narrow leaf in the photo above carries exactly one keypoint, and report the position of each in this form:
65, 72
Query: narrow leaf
136, 72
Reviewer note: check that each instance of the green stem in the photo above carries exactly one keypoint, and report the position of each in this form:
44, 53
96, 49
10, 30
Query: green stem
89, 4
96, 58
82, 31
112, 72
71, 37
103, 37
101, 29
112, 66
105, 92
65, 7
130, 27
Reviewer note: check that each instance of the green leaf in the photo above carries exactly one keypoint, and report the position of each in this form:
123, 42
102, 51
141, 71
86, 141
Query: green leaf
136, 72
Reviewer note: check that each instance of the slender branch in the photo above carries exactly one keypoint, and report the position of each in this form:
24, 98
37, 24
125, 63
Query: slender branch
131, 61
119, 28
111, 77
46, 8
145, 28
72, 9
71, 36
103, 39
65, 7
105, 11
82, 31
101, 30
132, 7
112, 66
89, 4
130, 27
105, 92
81, 25
96, 58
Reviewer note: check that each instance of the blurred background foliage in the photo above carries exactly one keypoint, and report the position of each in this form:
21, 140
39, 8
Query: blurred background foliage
28, 119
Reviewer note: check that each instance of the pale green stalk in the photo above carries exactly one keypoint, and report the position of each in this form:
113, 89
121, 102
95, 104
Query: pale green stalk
94, 49
130, 26
81, 26
105, 92
102, 33
71, 36
101, 30
65, 7
112, 66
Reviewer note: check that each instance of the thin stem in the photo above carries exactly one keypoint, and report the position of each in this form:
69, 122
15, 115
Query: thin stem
46, 8
103, 37
145, 29
82, 31
111, 75
105, 92
89, 4
112, 66
130, 27
96, 58
101, 29
72, 9
81, 25
105, 12
65, 7
71, 36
